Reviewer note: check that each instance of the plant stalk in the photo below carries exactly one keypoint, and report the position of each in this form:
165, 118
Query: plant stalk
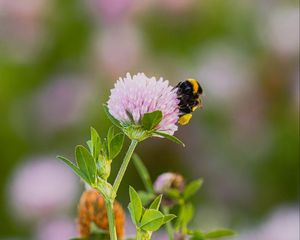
169, 226
111, 219
142, 235
124, 165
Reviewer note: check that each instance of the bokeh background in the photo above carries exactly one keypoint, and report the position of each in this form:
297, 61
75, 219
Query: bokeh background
58, 60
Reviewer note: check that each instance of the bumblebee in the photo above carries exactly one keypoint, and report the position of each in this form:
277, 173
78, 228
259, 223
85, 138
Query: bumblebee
189, 93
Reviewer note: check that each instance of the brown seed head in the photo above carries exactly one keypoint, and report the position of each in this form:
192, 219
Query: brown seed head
92, 209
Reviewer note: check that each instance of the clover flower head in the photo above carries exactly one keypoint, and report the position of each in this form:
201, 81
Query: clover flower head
133, 96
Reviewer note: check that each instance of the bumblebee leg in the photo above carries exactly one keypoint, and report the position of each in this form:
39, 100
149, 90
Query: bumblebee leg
184, 119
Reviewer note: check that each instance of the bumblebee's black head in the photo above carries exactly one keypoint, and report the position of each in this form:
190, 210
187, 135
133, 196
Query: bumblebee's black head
188, 93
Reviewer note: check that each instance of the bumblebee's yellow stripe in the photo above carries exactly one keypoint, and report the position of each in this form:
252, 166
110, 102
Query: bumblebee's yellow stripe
184, 119
194, 84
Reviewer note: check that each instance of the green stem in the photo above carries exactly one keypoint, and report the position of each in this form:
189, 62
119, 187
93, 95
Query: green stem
111, 219
124, 165
169, 226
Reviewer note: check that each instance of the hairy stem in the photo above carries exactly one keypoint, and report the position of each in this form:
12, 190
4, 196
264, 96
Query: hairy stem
124, 165
111, 219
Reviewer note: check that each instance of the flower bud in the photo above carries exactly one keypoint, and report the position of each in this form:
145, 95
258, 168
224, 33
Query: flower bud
104, 168
167, 181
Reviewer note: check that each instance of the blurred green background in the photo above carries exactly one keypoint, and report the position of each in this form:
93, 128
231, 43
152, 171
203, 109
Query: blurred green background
58, 60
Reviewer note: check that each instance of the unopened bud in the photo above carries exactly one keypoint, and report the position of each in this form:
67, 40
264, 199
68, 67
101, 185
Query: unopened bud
167, 181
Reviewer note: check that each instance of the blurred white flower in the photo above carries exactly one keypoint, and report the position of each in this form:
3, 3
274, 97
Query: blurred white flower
283, 224
62, 102
281, 30
56, 229
118, 49
41, 187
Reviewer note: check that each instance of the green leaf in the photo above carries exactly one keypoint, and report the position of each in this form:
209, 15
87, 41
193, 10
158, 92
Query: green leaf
96, 143
156, 203
86, 163
168, 218
90, 145
197, 235
173, 193
116, 145
111, 117
151, 120
136, 207
219, 233
185, 215
170, 137
152, 220
110, 134
74, 168
192, 188
130, 209
188, 213
109, 137
143, 172
146, 197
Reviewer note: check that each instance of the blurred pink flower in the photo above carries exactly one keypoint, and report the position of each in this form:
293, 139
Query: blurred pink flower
168, 180
21, 28
62, 103
283, 224
118, 49
56, 229
280, 30
139, 94
176, 6
225, 74
40, 187
110, 11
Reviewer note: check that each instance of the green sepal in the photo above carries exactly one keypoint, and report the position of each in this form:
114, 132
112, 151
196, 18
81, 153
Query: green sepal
105, 188
169, 137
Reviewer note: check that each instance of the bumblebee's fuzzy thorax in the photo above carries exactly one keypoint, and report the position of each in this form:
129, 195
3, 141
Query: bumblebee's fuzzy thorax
189, 95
